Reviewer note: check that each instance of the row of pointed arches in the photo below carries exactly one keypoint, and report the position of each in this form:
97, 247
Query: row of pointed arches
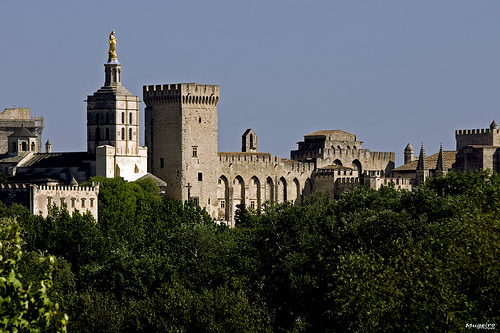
254, 192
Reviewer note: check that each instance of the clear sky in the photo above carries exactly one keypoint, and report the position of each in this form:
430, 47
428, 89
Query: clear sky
391, 72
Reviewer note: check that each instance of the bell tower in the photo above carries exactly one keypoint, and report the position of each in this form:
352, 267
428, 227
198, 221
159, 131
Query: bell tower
113, 124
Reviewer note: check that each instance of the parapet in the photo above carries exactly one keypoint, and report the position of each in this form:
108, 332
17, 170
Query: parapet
482, 136
15, 113
185, 93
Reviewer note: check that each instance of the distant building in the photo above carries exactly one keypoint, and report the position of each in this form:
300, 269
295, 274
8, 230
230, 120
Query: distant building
38, 198
181, 135
12, 119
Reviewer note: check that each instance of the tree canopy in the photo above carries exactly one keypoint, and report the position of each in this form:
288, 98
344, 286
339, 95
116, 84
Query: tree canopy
373, 261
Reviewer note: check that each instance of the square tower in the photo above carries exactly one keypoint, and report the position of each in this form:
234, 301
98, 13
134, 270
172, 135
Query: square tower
181, 136
113, 128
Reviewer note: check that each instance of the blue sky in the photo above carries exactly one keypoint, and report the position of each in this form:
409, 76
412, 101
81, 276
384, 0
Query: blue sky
391, 72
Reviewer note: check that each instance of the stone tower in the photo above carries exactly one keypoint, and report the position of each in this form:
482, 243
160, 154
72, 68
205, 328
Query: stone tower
113, 115
181, 135
113, 127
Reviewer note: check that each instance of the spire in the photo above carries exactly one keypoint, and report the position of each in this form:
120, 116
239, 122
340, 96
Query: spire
441, 162
422, 161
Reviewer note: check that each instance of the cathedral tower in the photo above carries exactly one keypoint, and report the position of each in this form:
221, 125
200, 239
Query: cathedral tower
113, 125
181, 135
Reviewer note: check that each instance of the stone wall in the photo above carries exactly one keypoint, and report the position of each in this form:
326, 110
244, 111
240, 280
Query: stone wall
37, 198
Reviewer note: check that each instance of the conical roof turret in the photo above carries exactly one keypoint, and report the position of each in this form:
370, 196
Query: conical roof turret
494, 125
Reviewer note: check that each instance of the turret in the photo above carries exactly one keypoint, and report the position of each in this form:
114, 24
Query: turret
48, 147
409, 154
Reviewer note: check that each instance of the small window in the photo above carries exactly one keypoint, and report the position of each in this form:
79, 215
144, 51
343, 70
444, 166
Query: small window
222, 204
62, 202
73, 201
196, 201
91, 202
83, 202
107, 118
130, 118
252, 203
195, 151
162, 163
33, 146
49, 201
24, 146
199, 120
123, 133
200, 176
123, 117
107, 133
130, 134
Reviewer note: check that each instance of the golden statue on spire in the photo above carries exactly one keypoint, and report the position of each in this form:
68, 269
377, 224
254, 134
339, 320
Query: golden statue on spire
112, 45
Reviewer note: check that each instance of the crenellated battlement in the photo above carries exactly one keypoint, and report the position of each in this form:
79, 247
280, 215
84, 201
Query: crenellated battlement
476, 131
185, 93
478, 137
347, 180
248, 157
16, 186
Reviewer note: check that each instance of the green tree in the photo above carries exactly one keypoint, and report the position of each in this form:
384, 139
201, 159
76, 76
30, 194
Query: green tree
24, 307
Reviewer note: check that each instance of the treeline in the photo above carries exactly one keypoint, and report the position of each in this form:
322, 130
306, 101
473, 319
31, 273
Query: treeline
373, 261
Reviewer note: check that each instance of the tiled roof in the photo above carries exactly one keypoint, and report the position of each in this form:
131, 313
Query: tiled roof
335, 167
328, 132
58, 160
12, 158
449, 157
241, 153
23, 132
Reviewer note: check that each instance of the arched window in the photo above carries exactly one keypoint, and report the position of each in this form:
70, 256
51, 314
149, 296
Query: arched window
107, 133
24, 146
130, 118
123, 133
130, 134
123, 117
33, 146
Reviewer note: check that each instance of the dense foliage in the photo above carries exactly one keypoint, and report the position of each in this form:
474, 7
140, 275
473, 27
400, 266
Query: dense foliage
373, 261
